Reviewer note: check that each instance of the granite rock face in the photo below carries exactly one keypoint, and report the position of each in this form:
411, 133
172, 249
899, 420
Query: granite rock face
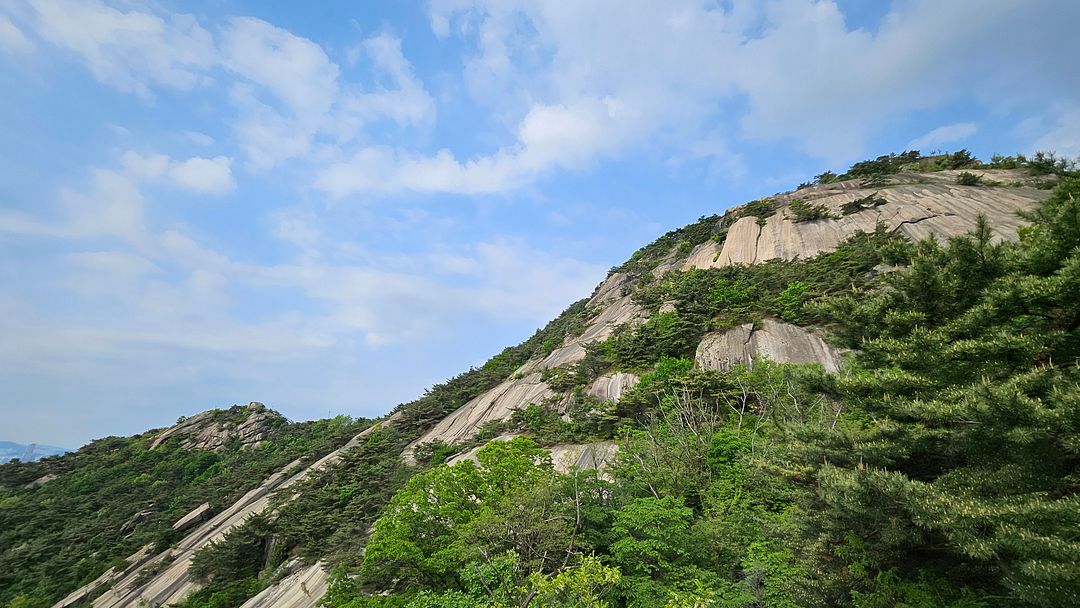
198, 515
525, 386
916, 205
498, 403
303, 588
610, 387
774, 340
213, 430
569, 457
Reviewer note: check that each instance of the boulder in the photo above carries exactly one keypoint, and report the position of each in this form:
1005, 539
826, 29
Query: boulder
198, 515
610, 387
774, 340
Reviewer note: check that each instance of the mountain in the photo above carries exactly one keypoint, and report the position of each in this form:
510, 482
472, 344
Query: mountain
9, 450
863, 392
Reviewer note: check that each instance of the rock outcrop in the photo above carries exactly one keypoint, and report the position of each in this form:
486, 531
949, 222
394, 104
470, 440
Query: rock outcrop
525, 386
610, 387
198, 515
615, 309
213, 430
565, 456
498, 403
301, 589
774, 340
916, 205
583, 456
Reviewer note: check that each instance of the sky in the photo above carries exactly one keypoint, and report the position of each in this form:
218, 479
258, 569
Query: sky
328, 207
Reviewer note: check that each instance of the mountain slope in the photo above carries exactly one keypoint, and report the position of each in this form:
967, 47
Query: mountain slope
689, 316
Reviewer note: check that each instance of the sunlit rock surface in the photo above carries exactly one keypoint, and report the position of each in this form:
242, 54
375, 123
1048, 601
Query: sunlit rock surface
916, 206
774, 340
215, 429
610, 387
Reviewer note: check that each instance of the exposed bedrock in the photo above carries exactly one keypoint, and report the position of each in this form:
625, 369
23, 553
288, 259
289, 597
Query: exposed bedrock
913, 209
610, 387
213, 430
774, 340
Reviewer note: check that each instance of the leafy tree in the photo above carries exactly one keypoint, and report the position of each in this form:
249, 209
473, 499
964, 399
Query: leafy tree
583, 586
430, 528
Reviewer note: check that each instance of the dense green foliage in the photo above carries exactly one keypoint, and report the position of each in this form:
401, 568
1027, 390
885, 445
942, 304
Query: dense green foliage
959, 467
940, 469
115, 495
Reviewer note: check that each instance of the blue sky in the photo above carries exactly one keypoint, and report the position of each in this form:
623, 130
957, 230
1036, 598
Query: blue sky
328, 207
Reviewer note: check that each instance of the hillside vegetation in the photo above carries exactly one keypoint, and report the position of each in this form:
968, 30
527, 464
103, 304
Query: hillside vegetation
939, 467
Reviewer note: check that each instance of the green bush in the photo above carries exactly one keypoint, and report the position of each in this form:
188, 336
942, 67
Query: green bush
966, 178
806, 212
762, 209
869, 201
827, 177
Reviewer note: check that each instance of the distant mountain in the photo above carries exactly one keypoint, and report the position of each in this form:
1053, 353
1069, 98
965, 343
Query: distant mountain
9, 450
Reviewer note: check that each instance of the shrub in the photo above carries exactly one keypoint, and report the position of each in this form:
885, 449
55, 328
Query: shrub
882, 165
1046, 163
805, 212
827, 177
968, 179
762, 209
960, 159
998, 161
867, 202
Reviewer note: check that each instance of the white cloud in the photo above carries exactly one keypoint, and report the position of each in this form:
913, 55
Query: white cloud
1064, 138
12, 39
293, 69
164, 288
573, 83
785, 70
151, 166
549, 136
111, 206
943, 135
204, 175
131, 50
291, 92
507, 281
197, 174
286, 90
198, 137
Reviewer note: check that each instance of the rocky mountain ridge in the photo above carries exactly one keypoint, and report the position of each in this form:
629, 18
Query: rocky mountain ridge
213, 430
915, 205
